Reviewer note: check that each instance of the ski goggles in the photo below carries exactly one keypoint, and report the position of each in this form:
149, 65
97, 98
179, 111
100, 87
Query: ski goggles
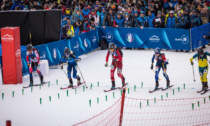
111, 49
66, 54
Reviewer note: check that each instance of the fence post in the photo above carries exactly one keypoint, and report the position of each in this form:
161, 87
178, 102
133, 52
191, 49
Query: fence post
122, 106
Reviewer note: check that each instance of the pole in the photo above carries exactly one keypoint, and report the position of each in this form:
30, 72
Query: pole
122, 106
82, 76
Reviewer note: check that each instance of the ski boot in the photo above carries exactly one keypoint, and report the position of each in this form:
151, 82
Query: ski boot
168, 83
205, 86
41, 79
78, 81
156, 85
31, 81
123, 82
70, 83
113, 85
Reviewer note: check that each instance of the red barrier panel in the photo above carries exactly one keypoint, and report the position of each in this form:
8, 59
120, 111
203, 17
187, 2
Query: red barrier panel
11, 55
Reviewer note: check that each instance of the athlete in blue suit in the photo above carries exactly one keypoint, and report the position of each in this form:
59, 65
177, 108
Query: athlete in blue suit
72, 60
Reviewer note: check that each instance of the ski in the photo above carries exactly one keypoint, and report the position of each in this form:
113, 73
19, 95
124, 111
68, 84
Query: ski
155, 90
200, 91
205, 91
164, 89
72, 87
35, 85
116, 88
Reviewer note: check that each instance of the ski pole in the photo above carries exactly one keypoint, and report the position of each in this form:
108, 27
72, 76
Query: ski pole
65, 73
82, 76
193, 72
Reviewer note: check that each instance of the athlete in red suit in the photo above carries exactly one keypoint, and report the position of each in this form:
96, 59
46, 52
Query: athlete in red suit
116, 63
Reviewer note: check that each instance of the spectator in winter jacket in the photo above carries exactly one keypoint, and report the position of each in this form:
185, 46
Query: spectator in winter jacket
187, 18
135, 20
142, 20
180, 21
78, 27
150, 18
92, 23
128, 21
109, 19
17, 4
86, 27
76, 17
171, 20
159, 21
95, 16
194, 19
68, 30
86, 12
101, 17
118, 21
166, 5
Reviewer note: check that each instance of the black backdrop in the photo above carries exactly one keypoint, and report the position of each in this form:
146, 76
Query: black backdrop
42, 26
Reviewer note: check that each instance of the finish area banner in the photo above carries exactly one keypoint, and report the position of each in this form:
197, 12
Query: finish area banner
164, 38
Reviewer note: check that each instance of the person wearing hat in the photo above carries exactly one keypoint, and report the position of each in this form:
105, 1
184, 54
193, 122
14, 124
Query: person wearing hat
142, 20
118, 21
150, 19
77, 16
135, 21
77, 27
159, 21
194, 19
171, 20
95, 16
187, 18
86, 12
128, 21
109, 19
203, 67
180, 21
101, 17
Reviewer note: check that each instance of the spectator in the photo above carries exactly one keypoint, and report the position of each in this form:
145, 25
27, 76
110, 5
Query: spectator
77, 16
68, 30
118, 21
87, 26
195, 19
128, 21
101, 17
181, 21
158, 21
77, 27
135, 20
171, 20
204, 15
150, 18
109, 19
167, 5
86, 12
142, 20
95, 16
92, 23
18, 4
187, 18
206, 37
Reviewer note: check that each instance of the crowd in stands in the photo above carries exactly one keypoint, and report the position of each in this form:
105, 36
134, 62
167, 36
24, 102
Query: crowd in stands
80, 16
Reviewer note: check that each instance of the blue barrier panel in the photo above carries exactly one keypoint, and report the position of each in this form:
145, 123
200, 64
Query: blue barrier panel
197, 34
164, 38
24, 62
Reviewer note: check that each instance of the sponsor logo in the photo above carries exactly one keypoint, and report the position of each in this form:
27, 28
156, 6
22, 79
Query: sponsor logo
154, 38
129, 37
54, 53
7, 37
17, 53
76, 47
94, 39
109, 36
184, 39
85, 43
43, 56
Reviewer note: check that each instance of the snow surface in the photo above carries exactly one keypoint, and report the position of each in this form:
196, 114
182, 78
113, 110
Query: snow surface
26, 110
